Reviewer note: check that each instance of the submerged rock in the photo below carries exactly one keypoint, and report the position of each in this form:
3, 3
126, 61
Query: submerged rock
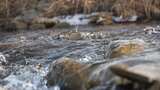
125, 47
67, 74
71, 35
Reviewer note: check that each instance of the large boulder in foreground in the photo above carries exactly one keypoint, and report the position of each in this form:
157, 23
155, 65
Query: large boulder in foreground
68, 74
125, 47
144, 76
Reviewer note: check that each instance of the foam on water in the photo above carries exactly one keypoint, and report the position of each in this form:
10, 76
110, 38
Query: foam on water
2, 58
28, 78
77, 19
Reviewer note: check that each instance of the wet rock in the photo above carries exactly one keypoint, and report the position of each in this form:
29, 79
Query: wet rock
102, 19
20, 24
125, 47
36, 26
71, 35
48, 23
147, 75
71, 75
4, 72
7, 25
74, 36
4, 46
39, 66
67, 74
62, 25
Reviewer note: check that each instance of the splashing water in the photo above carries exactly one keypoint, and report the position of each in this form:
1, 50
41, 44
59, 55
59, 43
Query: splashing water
2, 59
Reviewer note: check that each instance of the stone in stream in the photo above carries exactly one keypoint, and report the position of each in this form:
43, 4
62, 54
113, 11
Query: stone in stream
67, 74
4, 72
125, 47
73, 35
7, 25
102, 19
20, 24
62, 25
7, 45
36, 26
146, 75
48, 23
72, 75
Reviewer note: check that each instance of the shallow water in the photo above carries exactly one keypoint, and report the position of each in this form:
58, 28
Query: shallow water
29, 58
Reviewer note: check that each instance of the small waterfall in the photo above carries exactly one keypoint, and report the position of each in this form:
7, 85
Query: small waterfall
2, 59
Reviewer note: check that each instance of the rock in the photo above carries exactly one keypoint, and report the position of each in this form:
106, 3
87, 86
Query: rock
122, 71
71, 75
102, 19
7, 25
36, 26
125, 47
4, 46
48, 23
39, 66
71, 35
144, 74
67, 74
74, 36
4, 72
20, 24
62, 25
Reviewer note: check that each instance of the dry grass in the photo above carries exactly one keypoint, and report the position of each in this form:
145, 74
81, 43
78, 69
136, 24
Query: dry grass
63, 7
12, 8
144, 8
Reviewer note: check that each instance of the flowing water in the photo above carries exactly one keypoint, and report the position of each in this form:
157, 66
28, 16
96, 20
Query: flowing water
29, 53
